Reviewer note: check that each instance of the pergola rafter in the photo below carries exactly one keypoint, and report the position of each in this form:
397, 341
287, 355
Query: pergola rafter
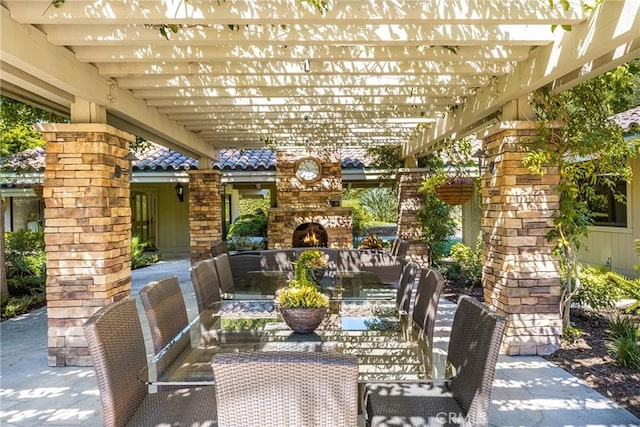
241, 72
279, 12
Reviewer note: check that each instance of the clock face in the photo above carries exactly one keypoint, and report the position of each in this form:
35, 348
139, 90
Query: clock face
308, 169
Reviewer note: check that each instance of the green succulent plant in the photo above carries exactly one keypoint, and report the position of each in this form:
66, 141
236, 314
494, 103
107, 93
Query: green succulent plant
302, 297
303, 291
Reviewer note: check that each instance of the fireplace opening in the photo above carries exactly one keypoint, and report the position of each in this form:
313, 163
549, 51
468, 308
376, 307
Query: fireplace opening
310, 235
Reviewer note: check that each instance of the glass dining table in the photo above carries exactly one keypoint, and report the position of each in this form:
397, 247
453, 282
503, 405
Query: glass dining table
338, 285
361, 320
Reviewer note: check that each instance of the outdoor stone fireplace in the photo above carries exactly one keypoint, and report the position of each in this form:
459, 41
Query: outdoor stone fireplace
307, 209
288, 226
310, 235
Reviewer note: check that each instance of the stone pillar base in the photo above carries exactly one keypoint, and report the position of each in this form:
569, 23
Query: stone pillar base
205, 215
418, 252
87, 231
520, 276
409, 203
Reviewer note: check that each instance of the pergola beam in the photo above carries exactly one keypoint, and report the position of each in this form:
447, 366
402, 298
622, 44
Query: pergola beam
436, 105
234, 64
617, 25
279, 12
339, 35
166, 52
388, 82
56, 67
291, 68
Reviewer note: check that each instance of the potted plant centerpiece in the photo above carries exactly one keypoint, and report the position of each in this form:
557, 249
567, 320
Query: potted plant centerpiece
301, 303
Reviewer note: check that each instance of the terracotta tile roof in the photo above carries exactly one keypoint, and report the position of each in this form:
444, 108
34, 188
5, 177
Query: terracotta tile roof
159, 158
27, 160
354, 158
246, 160
628, 119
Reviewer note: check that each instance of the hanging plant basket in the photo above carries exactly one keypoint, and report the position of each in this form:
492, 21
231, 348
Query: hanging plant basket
455, 193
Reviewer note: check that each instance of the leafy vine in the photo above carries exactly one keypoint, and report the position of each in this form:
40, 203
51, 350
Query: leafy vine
577, 139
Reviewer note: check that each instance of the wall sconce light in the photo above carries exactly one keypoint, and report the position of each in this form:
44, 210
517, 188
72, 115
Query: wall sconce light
307, 65
180, 192
119, 171
482, 155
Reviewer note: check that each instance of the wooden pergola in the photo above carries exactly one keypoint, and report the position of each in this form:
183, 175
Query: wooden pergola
241, 73
197, 76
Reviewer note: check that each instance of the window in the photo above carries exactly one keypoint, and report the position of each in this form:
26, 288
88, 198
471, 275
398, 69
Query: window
607, 211
26, 213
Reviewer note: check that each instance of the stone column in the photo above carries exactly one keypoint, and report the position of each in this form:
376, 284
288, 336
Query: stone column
87, 231
205, 216
409, 203
520, 277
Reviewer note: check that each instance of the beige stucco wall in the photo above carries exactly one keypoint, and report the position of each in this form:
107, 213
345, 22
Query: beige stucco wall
471, 226
618, 243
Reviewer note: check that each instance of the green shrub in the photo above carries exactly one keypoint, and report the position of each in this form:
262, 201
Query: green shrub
571, 333
251, 225
360, 218
437, 223
380, 203
625, 351
623, 341
16, 306
25, 254
466, 268
623, 326
26, 272
25, 285
597, 289
138, 258
628, 288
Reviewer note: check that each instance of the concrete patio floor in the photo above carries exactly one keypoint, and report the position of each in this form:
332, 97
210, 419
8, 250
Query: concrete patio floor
528, 390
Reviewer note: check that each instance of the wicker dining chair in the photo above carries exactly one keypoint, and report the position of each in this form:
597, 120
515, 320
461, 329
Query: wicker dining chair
225, 275
219, 247
425, 306
405, 287
474, 344
115, 341
286, 388
206, 284
165, 310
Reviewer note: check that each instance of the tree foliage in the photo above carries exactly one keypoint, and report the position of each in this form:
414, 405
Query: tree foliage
360, 218
436, 221
387, 158
16, 126
626, 93
579, 140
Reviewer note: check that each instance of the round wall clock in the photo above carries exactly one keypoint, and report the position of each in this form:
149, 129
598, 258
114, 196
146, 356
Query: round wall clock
308, 169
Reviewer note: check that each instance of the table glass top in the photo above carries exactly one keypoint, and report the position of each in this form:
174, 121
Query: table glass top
352, 285
387, 345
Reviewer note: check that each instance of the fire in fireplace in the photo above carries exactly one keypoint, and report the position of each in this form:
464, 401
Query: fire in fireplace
310, 234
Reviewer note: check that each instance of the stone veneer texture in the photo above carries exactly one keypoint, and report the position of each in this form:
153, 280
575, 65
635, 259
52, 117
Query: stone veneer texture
409, 203
300, 202
520, 277
205, 215
87, 231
